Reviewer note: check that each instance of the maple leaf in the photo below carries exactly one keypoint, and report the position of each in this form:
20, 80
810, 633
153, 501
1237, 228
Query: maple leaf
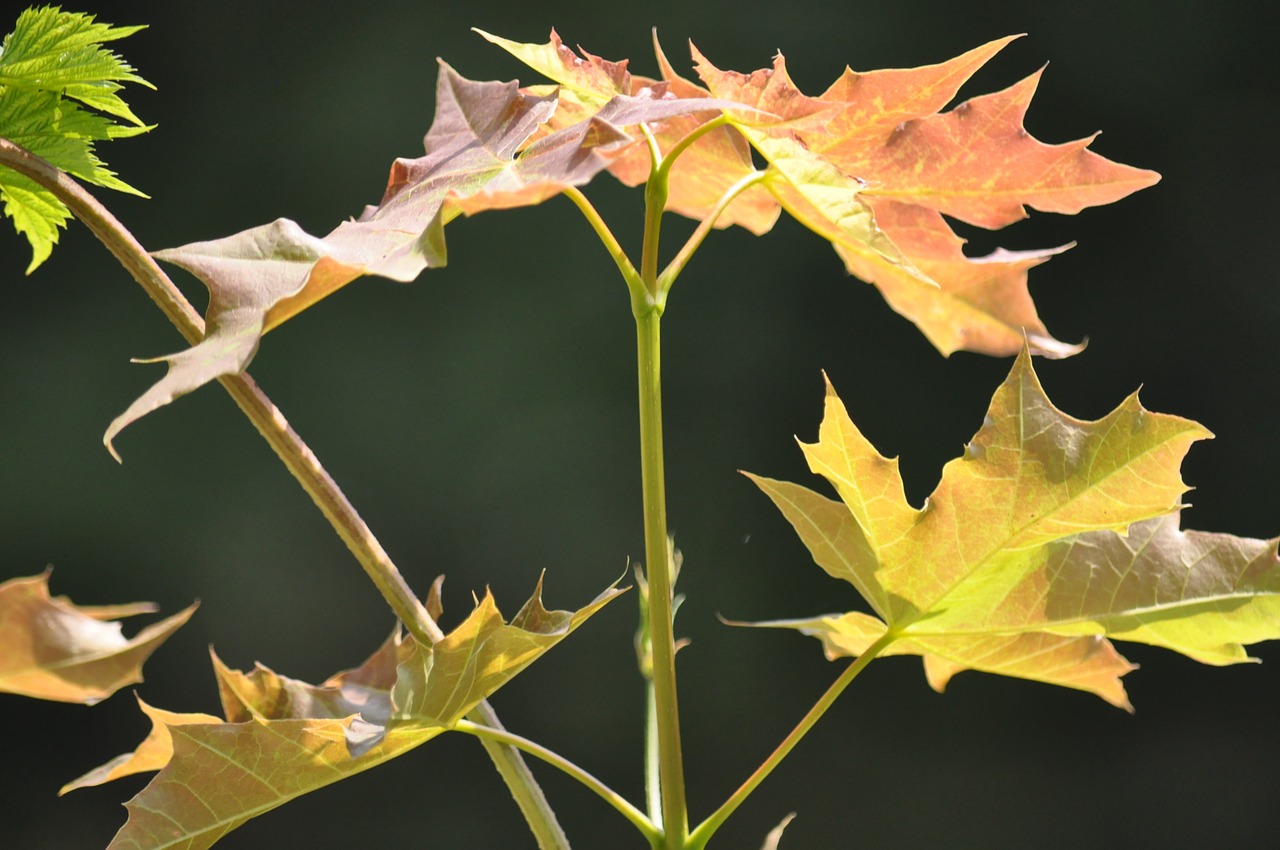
152, 754
1050, 536
701, 175
51, 66
590, 80
873, 153
870, 165
54, 650
476, 160
282, 738
966, 303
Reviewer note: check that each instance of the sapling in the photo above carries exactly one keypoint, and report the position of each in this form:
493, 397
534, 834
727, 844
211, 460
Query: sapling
1048, 538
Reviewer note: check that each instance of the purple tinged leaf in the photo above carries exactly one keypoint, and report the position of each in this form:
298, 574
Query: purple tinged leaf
475, 160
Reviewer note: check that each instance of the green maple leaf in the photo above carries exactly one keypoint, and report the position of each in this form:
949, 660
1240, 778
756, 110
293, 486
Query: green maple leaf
282, 738
1049, 537
52, 649
52, 66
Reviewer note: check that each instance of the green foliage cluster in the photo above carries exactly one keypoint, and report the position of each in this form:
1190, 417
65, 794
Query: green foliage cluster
59, 93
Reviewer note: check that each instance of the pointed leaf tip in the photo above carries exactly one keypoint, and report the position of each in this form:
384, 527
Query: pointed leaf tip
283, 738
61, 96
151, 755
589, 78
914, 162
483, 152
775, 835
51, 649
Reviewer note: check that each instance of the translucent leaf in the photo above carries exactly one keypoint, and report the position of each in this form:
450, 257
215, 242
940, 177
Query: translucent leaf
475, 160
51, 649
1048, 538
283, 738
701, 175
873, 161
58, 51
775, 835
152, 754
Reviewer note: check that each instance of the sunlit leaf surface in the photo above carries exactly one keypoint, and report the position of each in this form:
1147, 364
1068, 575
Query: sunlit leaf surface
1047, 539
52, 66
871, 165
875, 152
55, 650
282, 738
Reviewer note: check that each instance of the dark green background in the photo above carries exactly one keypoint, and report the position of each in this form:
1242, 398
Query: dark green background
483, 418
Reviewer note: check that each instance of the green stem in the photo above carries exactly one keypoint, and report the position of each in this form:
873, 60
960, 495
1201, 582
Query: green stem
677, 264
602, 230
644, 659
658, 569
655, 198
658, 566
664, 167
664, 763
703, 832
525, 790
297, 457
613, 798
648, 303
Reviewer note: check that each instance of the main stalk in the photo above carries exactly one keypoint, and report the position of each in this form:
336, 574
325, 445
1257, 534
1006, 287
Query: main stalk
658, 569
647, 304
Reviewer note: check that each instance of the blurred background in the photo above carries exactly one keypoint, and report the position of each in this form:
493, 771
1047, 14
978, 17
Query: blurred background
483, 419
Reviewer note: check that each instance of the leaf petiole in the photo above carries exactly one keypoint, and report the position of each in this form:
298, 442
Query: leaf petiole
658, 285
638, 818
677, 264
610, 242
701, 834
665, 162
655, 150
